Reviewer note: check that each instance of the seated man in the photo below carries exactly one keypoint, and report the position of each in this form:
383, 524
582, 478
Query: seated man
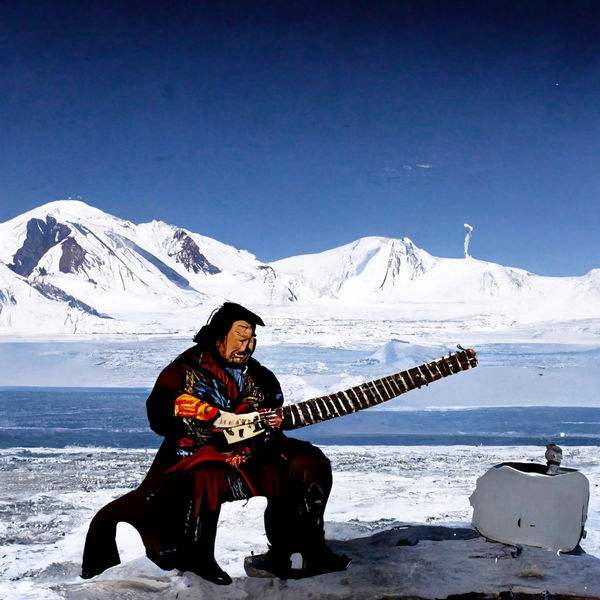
176, 508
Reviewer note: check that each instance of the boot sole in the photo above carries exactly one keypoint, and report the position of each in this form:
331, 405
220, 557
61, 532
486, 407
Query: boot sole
253, 571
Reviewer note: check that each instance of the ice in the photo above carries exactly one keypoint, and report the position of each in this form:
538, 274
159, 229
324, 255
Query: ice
49, 495
509, 374
45, 514
157, 278
401, 354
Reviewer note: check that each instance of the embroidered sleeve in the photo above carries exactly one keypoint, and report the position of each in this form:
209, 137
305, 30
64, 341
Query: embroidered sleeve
187, 405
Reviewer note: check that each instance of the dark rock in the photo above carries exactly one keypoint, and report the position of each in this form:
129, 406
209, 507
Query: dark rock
73, 257
54, 293
190, 256
7, 297
41, 236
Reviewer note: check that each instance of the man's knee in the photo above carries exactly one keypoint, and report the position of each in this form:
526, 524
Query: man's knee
305, 471
294, 447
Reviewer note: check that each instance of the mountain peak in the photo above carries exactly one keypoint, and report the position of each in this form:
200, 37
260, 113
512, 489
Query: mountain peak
68, 203
70, 259
75, 211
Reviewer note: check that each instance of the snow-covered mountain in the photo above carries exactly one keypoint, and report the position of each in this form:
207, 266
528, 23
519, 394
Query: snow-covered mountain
39, 308
376, 270
369, 269
98, 265
68, 266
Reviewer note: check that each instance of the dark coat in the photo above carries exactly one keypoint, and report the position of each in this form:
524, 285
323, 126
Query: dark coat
284, 469
195, 369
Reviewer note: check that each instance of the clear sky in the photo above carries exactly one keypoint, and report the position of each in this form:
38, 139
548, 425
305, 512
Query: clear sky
289, 127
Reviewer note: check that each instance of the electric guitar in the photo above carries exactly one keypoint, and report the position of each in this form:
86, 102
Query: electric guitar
240, 427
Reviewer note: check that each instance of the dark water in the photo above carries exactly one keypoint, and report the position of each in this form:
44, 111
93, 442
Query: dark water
57, 417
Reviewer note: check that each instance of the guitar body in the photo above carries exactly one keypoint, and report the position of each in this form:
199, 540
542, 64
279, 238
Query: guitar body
244, 424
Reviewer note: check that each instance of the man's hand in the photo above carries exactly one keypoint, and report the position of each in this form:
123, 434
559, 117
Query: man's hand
239, 457
271, 417
187, 405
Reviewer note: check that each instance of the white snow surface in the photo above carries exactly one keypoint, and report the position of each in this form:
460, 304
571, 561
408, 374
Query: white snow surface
537, 338
158, 278
376, 489
48, 496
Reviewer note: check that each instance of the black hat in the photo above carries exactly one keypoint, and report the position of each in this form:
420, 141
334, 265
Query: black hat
219, 323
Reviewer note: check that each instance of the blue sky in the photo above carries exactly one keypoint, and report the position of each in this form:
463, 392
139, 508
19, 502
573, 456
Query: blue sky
293, 127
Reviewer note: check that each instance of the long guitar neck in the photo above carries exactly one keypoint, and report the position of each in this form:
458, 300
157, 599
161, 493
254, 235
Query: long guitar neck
362, 396
374, 392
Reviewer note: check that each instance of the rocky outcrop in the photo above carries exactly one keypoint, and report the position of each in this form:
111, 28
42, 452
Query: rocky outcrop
72, 259
54, 293
41, 236
403, 257
7, 298
190, 256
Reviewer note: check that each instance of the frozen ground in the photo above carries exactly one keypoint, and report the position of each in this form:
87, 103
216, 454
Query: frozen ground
509, 373
48, 497
363, 327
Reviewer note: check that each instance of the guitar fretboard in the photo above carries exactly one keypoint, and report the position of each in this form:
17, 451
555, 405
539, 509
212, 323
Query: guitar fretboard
375, 392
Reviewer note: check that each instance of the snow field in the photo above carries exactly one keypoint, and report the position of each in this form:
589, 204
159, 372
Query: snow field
47, 511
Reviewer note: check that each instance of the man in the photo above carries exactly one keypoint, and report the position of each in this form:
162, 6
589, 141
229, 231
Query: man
176, 508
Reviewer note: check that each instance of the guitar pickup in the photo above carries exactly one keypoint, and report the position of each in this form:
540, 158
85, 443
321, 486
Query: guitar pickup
244, 427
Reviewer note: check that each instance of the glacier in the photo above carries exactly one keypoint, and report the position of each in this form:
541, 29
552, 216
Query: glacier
67, 268
95, 300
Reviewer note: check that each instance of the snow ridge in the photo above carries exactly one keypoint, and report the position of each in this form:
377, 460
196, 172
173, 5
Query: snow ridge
66, 262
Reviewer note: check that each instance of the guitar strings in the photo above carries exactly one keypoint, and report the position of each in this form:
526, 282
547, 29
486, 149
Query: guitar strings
453, 364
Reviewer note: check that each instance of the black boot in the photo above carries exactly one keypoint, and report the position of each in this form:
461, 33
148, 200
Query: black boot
197, 552
207, 568
322, 559
274, 562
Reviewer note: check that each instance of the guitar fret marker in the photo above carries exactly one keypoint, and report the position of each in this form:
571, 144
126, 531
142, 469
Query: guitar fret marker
318, 407
340, 398
388, 383
394, 383
360, 396
443, 367
334, 409
410, 379
347, 402
375, 390
356, 400
431, 373
437, 368
305, 412
309, 406
340, 405
381, 389
423, 378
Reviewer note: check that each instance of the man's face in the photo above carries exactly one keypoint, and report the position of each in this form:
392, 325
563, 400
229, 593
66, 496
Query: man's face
238, 344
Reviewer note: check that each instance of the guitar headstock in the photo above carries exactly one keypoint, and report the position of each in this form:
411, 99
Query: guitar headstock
469, 355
